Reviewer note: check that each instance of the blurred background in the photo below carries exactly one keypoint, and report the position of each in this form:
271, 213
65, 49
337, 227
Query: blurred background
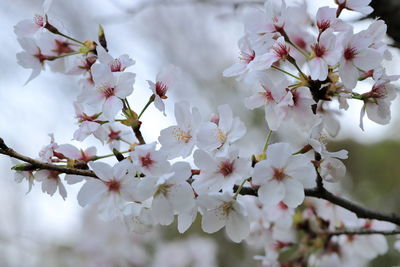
200, 37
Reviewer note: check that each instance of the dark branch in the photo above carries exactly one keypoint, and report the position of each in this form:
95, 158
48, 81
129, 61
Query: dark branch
318, 192
359, 232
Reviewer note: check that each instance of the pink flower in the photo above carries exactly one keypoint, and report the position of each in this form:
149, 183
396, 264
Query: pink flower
166, 79
116, 64
361, 6
109, 89
356, 55
31, 57
150, 161
283, 176
325, 54
275, 97
50, 182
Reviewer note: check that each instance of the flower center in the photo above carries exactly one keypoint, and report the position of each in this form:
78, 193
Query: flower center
108, 91
246, 57
281, 50
323, 25
221, 136
38, 19
146, 160
62, 47
113, 186
319, 50
182, 135
163, 189
279, 174
226, 168
350, 53
161, 90
226, 208
282, 206
114, 135
116, 65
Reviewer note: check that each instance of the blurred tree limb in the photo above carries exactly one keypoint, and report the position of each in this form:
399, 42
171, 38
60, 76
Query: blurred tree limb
317, 192
389, 11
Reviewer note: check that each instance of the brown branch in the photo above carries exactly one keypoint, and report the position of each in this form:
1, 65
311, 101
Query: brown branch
318, 192
359, 232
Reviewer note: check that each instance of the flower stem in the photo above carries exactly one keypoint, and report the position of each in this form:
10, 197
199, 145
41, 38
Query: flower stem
151, 100
70, 38
239, 189
267, 142
108, 155
284, 71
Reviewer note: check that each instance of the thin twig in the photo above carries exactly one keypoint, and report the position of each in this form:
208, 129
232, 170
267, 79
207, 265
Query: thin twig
359, 232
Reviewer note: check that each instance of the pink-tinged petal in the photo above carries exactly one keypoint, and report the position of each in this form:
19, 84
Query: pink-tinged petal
207, 136
271, 193
62, 191
162, 210
35, 72
91, 151
213, 220
103, 56
274, 116
102, 170
255, 101
182, 113
111, 107
109, 207
203, 160
69, 151
91, 192
29, 45
181, 197
236, 69
26, 28
183, 171
318, 69
278, 154
368, 59
300, 168
159, 104
379, 112
121, 168
294, 194
262, 173
102, 75
169, 75
237, 226
349, 74
73, 179
125, 84
225, 118
49, 186
186, 219
237, 131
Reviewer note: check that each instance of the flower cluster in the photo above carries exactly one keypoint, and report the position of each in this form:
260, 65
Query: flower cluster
300, 63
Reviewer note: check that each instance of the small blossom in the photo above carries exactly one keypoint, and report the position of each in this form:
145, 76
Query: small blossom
50, 182
332, 169
150, 161
116, 64
221, 210
219, 173
166, 79
283, 176
179, 140
213, 137
361, 6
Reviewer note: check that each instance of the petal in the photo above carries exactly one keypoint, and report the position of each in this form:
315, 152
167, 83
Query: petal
237, 226
225, 118
102, 170
125, 84
162, 210
278, 154
91, 192
213, 220
111, 107
271, 193
294, 194
102, 75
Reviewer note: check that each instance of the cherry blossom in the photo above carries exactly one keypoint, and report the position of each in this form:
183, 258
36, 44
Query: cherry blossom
276, 98
221, 210
114, 187
326, 19
361, 6
377, 102
283, 176
29, 27
31, 57
218, 136
116, 64
219, 173
179, 140
356, 56
332, 169
50, 182
171, 193
166, 79
325, 54
110, 89
150, 161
